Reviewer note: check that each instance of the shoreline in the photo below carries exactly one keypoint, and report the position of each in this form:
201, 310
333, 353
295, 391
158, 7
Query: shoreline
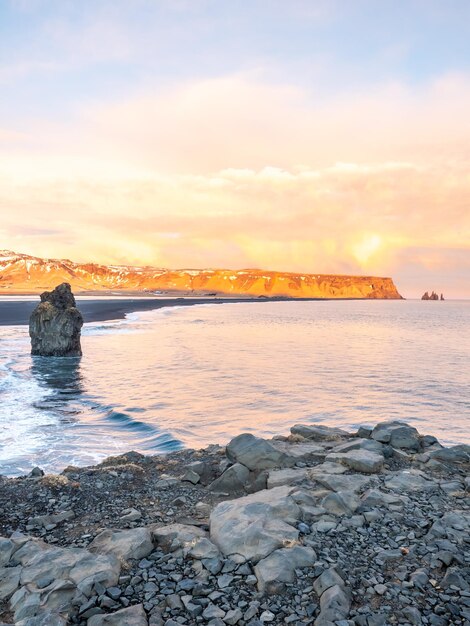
114, 307
16, 313
319, 527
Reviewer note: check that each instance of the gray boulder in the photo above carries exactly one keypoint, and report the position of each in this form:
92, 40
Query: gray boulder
303, 451
135, 543
289, 476
359, 443
63, 573
328, 467
364, 431
55, 324
363, 461
252, 527
132, 616
232, 480
44, 619
51, 520
203, 548
455, 577
455, 454
454, 526
341, 503
410, 480
349, 482
256, 453
280, 566
318, 432
375, 498
327, 579
398, 435
177, 536
335, 603
7, 548
9, 581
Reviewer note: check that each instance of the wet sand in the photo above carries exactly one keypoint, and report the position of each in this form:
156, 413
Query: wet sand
17, 312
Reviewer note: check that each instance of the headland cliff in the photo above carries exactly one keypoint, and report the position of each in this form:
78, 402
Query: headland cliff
21, 274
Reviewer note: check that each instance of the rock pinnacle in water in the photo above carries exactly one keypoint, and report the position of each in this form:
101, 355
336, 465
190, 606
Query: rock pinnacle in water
55, 324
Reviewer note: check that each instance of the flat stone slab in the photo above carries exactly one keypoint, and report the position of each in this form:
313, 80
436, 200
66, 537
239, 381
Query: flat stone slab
328, 467
131, 616
254, 526
303, 451
63, 571
277, 478
349, 482
454, 525
359, 460
410, 480
135, 543
359, 443
175, 536
46, 618
375, 498
456, 454
319, 432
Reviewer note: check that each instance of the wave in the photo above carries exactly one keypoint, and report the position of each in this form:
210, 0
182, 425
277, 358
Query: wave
152, 437
133, 322
23, 426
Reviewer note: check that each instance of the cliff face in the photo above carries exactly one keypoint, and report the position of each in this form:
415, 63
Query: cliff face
21, 273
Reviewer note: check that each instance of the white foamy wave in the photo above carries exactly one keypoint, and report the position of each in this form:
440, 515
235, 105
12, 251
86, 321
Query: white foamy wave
148, 317
132, 323
107, 328
22, 426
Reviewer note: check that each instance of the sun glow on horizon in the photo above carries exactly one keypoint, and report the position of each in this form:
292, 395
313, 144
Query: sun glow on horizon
188, 151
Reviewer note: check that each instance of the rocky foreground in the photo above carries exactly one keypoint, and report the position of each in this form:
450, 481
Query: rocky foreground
322, 527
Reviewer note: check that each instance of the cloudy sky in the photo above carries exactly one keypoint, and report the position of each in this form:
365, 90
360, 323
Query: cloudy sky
323, 136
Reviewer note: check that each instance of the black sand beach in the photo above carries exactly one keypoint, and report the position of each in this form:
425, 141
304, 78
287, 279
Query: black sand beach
13, 313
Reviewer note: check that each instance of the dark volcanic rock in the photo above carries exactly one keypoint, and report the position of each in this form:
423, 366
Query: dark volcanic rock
55, 324
433, 296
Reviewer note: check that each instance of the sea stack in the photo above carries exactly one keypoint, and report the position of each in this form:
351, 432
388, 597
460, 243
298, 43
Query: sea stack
55, 324
433, 296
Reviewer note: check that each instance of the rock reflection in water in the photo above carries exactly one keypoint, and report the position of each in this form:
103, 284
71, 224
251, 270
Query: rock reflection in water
64, 378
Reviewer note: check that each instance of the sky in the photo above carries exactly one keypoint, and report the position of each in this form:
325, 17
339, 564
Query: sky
322, 136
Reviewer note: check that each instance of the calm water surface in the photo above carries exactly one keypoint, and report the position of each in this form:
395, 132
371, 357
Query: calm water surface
166, 379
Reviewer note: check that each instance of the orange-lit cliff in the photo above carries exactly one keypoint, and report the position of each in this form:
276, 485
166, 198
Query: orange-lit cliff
21, 273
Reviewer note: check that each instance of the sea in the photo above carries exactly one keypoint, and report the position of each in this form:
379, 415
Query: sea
158, 381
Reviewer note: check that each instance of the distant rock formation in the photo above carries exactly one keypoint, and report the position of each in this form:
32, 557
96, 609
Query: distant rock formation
55, 324
433, 296
22, 273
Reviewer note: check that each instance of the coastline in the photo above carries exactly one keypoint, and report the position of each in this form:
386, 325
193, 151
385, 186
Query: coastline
106, 308
16, 309
320, 527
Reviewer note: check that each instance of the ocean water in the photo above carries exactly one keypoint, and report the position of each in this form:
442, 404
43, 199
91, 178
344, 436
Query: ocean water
188, 377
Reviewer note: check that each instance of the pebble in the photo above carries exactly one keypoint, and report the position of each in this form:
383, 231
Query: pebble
400, 557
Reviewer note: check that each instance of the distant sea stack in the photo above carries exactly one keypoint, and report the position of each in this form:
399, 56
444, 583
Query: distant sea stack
55, 324
21, 273
433, 296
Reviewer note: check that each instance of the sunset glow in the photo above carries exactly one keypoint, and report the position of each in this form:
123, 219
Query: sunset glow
328, 137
